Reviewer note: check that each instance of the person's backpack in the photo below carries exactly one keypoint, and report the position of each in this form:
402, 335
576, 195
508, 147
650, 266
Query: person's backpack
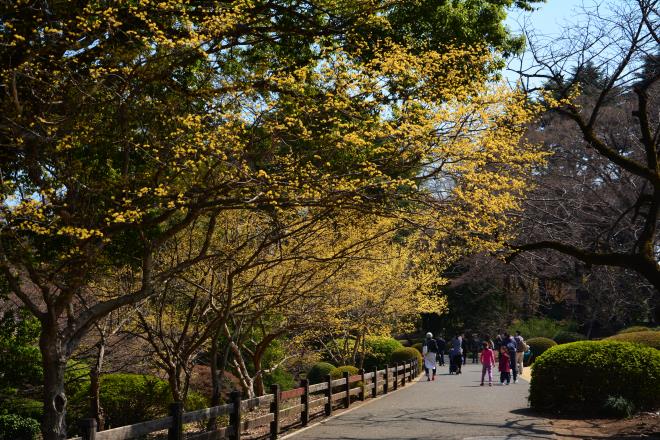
520, 344
432, 346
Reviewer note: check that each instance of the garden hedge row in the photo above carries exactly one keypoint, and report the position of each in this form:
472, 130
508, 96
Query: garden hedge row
581, 377
647, 338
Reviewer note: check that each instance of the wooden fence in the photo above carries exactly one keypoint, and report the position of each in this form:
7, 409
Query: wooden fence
304, 402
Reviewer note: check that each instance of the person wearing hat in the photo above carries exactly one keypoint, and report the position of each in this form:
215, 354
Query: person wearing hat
430, 352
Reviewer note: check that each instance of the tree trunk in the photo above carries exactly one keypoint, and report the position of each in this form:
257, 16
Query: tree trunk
54, 359
96, 411
174, 377
217, 376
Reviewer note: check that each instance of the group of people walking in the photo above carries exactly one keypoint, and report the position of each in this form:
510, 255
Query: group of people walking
507, 350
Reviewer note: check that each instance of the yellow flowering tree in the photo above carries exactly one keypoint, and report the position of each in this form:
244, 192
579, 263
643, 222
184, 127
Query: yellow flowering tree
124, 123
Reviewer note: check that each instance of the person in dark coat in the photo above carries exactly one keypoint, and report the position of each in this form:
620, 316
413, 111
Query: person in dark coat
442, 346
510, 345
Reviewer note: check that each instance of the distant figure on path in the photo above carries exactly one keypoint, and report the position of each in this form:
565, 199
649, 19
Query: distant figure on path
520, 351
510, 345
475, 346
487, 363
456, 354
498, 342
464, 348
430, 352
442, 346
505, 365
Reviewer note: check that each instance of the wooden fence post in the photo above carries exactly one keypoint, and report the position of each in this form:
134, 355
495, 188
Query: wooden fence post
363, 392
235, 417
304, 400
275, 409
396, 376
386, 384
328, 393
405, 371
176, 429
374, 390
88, 429
347, 390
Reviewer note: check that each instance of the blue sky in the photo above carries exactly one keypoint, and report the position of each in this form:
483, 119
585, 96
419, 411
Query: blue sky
548, 17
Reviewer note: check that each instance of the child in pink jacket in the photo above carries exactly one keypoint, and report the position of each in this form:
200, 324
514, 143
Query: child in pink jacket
487, 363
505, 366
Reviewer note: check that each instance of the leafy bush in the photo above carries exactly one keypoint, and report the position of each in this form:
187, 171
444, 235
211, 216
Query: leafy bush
418, 346
541, 327
132, 398
582, 376
22, 406
318, 372
564, 337
20, 357
635, 328
648, 338
405, 342
406, 354
538, 346
14, 427
281, 377
617, 406
378, 351
338, 372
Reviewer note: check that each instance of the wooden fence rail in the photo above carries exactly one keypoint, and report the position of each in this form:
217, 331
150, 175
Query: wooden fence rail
301, 402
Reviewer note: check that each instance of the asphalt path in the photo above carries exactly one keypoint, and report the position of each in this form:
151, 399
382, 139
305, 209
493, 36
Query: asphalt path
451, 407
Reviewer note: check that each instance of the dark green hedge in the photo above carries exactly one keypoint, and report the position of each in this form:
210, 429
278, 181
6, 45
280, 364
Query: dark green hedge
564, 337
406, 354
538, 346
647, 338
14, 427
378, 351
317, 373
338, 373
635, 328
580, 377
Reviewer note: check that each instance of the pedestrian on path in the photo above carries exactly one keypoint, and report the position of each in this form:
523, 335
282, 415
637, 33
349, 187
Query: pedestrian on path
487, 363
510, 345
521, 348
442, 346
430, 352
456, 354
505, 365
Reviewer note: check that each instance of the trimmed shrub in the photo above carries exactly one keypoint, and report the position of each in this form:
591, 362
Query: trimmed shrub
634, 328
580, 377
338, 372
418, 346
541, 327
318, 372
406, 354
648, 338
564, 337
538, 346
378, 351
404, 342
14, 427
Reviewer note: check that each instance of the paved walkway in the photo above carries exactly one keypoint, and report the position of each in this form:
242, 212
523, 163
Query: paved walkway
451, 407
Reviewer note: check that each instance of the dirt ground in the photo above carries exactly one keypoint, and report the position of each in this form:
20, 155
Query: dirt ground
642, 426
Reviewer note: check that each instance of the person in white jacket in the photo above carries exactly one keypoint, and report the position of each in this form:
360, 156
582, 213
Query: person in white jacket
430, 352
